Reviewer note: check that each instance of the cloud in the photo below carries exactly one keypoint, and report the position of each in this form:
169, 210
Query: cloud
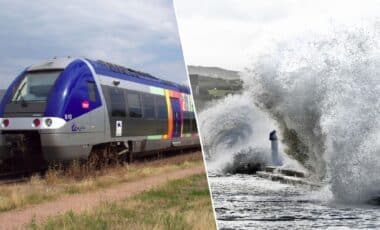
225, 33
138, 34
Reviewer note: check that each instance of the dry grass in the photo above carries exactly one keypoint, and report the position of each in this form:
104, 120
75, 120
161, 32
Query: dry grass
77, 179
180, 204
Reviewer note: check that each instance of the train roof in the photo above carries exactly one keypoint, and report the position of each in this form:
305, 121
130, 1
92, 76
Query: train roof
121, 72
52, 64
112, 70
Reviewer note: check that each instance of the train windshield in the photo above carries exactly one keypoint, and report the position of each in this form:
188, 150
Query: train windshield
35, 86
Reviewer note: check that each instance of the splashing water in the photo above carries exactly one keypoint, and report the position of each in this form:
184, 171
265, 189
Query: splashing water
324, 94
231, 126
235, 126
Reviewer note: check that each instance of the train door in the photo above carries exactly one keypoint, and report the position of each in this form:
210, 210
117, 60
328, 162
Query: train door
176, 110
117, 112
96, 119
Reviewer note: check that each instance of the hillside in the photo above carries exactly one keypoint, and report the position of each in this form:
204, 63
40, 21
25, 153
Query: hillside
212, 83
214, 72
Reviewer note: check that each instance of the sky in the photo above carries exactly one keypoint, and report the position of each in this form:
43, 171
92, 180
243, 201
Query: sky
138, 34
226, 33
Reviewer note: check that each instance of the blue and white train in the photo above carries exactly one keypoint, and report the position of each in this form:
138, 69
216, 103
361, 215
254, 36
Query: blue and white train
75, 108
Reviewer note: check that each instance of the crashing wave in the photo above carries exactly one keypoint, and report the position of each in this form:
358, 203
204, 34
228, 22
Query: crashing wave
324, 94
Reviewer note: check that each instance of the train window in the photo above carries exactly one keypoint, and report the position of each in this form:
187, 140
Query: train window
162, 110
148, 104
134, 105
117, 103
91, 87
187, 118
35, 86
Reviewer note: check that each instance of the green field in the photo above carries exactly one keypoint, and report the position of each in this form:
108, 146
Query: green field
180, 204
76, 179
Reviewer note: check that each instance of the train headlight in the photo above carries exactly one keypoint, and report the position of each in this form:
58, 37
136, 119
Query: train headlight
36, 122
5, 123
48, 122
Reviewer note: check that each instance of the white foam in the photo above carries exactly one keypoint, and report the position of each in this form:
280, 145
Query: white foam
234, 125
327, 89
231, 126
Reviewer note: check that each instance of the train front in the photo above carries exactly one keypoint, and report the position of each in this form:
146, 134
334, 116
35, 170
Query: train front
33, 126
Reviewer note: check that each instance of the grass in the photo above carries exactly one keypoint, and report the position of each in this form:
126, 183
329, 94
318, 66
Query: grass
180, 204
57, 183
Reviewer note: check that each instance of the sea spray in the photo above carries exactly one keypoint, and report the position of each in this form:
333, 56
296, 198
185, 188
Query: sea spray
235, 131
324, 93
233, 125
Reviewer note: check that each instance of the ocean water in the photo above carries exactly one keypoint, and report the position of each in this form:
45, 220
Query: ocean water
250, 202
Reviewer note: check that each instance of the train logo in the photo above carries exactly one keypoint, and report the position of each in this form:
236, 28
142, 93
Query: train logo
85, 104
76, 128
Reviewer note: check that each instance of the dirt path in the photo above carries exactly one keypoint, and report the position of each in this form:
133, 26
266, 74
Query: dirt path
17, 219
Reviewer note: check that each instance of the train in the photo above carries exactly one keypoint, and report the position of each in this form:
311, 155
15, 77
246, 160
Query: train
67, 109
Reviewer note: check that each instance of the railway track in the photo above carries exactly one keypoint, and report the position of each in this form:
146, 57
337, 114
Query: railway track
20, 176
